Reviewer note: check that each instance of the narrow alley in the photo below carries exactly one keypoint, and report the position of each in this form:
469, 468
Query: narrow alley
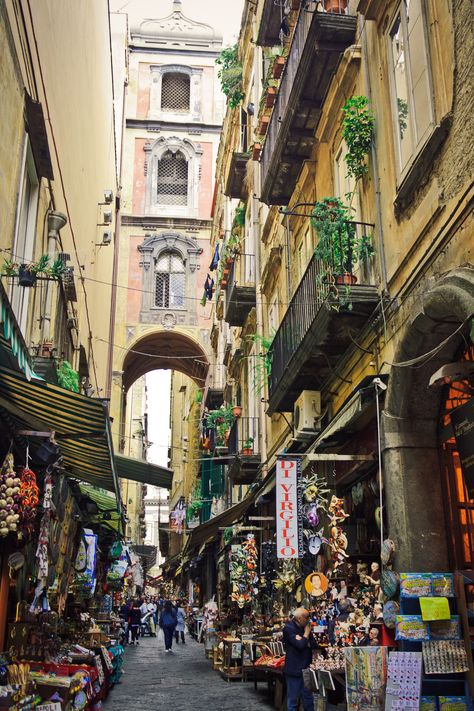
183, 681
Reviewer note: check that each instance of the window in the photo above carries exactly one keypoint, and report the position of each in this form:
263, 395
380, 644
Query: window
170, 281
172, 182
412, 103
25, 234
175, 92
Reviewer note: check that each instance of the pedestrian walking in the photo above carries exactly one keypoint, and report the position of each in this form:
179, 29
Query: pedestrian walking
125, 614
151, 607
299, 643
134, 620
168, 621
180, 622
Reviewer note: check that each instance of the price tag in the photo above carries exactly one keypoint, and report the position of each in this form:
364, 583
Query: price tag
434, 608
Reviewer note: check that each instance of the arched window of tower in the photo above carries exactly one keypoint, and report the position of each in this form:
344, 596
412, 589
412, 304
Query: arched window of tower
175, 92
172, 182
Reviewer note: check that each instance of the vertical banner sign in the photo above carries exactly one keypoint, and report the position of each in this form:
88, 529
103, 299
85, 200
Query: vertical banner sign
462, 419
289, 509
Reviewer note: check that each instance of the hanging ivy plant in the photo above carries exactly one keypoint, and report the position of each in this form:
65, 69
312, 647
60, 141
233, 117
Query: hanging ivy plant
263, 363
239, 218
230, 75
67, 376
357, 131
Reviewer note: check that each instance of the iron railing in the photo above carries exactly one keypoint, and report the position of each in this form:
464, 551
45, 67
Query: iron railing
321, 285
244, 436
242, 271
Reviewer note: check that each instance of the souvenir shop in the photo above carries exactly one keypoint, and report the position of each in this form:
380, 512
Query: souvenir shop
63, 561
314, 536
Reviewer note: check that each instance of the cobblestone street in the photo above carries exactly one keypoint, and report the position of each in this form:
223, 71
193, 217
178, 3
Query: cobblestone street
183, 681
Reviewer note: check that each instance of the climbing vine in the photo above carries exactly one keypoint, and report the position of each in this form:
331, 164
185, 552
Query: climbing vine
357, 131
230, 75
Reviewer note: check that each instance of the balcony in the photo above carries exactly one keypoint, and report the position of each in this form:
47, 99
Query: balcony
235, 185
318, 44
241, 293
322, 321
244, 445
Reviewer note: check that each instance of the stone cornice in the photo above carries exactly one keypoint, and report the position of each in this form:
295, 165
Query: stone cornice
189, 127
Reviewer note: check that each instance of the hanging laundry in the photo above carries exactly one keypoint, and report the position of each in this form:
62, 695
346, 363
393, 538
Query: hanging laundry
209, 287
215, 259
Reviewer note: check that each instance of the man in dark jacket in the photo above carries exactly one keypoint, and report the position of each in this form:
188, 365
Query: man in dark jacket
299, 643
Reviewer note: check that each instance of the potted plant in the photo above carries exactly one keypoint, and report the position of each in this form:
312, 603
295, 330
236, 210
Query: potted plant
236, 410
278, 65
337, 6
230, 75
256, 150
247, 449
339, 247
270, 96
357, 131
27, 275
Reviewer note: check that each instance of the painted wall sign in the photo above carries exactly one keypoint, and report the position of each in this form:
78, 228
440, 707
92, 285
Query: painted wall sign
289, 509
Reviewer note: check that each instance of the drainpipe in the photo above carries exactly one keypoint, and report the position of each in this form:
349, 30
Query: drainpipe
257, 244
56, 221
378, 201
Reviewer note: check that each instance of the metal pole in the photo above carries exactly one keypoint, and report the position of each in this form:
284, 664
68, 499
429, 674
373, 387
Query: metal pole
379, 446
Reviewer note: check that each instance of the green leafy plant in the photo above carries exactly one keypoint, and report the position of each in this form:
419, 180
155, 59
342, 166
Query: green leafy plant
42, 266
68, 378
198, 397
402, 107
339, 246
239, 217
9, 268
248, 444
230, 75
357, 131
263, 363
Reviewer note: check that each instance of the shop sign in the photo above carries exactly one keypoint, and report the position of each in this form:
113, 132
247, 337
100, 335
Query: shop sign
289, 509
462, 419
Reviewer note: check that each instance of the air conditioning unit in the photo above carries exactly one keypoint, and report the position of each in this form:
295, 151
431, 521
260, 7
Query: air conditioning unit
307, 414
106, 237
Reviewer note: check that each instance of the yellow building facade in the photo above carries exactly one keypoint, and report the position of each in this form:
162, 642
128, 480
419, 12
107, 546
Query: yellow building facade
59, 193
315, 335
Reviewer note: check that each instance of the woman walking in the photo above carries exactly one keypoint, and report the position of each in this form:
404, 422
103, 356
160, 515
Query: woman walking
134, 620
168, 623
180, 620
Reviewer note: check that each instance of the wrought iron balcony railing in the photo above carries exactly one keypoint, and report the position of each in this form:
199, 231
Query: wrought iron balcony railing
331, 296
244, 437
241, 294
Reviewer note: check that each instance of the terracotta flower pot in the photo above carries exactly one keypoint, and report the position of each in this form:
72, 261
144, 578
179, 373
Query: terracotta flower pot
347, 279
247, 451
263, 125
236, 410
271, 96
229, 261
278, 65
257, 149
337, 6
225, 274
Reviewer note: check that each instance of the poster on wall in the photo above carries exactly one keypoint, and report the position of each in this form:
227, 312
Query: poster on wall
289, 509
366, 677
462, 419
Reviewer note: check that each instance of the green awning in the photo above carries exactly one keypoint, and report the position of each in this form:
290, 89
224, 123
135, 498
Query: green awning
81, 424
144, 472
109, 514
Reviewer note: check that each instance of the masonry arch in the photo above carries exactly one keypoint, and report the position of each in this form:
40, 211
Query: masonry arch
167, 350
413, 470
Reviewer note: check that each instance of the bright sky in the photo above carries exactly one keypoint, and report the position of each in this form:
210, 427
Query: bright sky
223, 15
158, 386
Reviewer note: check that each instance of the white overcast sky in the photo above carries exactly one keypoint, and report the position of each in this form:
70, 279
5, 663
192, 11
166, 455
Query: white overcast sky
223, 15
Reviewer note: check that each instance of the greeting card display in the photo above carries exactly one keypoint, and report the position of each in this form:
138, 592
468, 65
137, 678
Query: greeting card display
403, 681
442, 584
415, 584
411, 628
428, 703
446, 629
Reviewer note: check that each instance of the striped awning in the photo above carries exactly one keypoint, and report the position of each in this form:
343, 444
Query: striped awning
144, 472
108, 515
81, 424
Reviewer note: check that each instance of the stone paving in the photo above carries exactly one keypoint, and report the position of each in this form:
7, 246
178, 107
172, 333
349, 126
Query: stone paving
182, 681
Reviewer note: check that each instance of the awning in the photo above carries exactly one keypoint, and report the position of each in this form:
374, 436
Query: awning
144, 472
209, 529
81, 424
12, 345
351, 417
108, 514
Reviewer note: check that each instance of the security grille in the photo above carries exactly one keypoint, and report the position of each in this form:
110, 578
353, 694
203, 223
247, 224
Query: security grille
172, 183
175, 92
170, 281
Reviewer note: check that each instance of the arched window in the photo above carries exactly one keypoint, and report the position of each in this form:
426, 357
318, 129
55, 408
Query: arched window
172, 179
175, 92
170, 280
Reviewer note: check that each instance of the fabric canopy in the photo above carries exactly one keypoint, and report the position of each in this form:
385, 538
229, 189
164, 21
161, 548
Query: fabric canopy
109, 514
81, 424
144, 472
